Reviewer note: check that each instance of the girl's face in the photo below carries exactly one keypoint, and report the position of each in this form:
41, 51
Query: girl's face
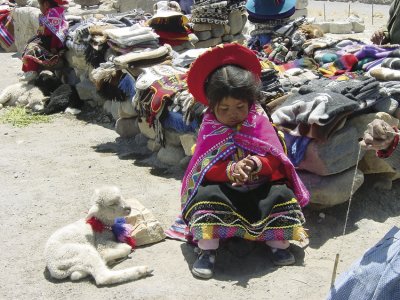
231, 111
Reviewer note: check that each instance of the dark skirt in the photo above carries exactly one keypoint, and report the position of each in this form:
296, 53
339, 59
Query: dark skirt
267, 212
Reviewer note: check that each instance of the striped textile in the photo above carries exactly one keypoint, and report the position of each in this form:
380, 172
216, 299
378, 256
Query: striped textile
6, 36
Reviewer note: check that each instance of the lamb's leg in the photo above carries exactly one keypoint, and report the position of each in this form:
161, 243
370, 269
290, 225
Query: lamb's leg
119, 276
84, 260
115, 251
78, 275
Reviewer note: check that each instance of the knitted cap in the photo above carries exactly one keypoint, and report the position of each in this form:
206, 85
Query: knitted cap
209, 61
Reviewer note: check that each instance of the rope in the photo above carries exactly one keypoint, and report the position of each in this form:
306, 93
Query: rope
347, 217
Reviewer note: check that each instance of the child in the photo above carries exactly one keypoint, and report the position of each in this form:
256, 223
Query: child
43, 49
239, 182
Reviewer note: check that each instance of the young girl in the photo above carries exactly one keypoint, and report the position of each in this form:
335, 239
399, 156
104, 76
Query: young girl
43, 49
239, 182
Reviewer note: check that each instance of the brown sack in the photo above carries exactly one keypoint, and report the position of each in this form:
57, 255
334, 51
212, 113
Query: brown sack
147, 229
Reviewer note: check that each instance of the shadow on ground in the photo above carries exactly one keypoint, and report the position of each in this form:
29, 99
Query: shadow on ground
366, 204
128, 149
240, 261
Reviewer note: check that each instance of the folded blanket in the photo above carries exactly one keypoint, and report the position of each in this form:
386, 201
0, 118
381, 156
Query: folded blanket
122, 34
135, 40
126, 59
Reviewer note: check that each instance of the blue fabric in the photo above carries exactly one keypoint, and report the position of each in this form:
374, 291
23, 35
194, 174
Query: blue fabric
174, 120
186, 5
127, 85
296, 147
376, 276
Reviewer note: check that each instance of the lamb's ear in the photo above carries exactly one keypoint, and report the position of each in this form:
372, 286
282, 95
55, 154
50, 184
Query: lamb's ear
92, 211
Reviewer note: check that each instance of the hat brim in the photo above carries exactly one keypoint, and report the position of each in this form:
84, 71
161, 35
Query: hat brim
269, 8
209, 61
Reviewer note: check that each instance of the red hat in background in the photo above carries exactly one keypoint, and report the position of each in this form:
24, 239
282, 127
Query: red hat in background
209, 61
61, 2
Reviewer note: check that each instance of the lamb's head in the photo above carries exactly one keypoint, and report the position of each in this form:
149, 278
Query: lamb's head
108, 205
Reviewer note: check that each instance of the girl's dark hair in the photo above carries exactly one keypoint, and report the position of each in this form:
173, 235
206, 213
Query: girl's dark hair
51, 2
232, 81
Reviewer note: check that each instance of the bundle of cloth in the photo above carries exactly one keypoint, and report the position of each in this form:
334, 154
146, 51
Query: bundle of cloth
214, 11
171, 25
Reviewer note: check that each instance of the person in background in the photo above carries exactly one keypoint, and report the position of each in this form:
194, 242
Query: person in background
390, 35
43, 50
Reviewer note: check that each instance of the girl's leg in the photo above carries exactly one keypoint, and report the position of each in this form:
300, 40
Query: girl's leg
281, 256
278, 244
212, 244
203, 267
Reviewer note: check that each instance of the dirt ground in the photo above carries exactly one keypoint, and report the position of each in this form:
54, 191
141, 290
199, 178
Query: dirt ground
48, 172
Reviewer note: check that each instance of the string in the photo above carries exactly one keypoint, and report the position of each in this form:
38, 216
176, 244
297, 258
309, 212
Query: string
347, 217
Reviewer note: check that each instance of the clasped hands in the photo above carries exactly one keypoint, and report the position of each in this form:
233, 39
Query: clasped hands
242, 170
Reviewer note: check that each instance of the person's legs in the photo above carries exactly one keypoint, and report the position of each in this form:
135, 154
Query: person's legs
203, 267
281, 256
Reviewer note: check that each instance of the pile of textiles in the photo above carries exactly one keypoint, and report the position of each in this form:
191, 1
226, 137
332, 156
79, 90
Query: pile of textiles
321, 107
387, 68
82, 36
267, 17
170, 24
156, 89
271, 87
133, 38
214, 11
288, 40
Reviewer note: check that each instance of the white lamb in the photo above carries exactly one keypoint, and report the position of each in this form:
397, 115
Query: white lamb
77, 250
22, 94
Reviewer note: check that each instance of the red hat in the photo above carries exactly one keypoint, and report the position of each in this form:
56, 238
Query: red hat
221, 55
61, 2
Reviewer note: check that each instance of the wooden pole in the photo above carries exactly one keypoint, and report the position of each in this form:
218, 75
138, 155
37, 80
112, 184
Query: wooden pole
372, 17
324, 13
349, 10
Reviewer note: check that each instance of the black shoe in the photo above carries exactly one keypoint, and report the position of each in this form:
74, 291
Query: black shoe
203, 267
282, 257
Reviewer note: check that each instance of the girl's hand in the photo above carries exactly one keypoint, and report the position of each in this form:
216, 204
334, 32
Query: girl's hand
242, 170
378, 136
